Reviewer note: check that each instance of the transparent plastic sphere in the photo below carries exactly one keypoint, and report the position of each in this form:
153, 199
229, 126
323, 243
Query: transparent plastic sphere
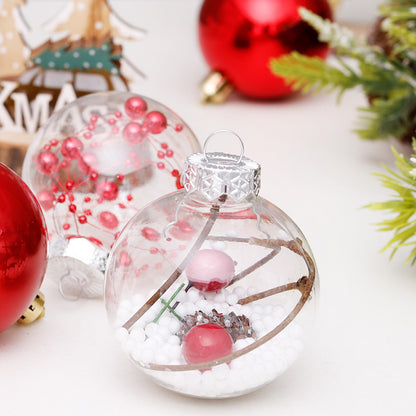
211, 289
92, 166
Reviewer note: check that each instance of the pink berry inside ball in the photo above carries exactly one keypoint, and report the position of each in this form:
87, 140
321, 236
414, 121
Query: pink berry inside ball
210, 270
206, 342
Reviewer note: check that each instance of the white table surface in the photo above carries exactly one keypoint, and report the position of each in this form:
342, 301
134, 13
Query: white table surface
362, 360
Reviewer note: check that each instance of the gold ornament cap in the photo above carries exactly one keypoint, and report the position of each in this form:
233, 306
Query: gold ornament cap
215, 88
35, 311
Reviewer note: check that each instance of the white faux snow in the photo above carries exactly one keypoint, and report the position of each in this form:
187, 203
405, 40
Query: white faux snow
150, 342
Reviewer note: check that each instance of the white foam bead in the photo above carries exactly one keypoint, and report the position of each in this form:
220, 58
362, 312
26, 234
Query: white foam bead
221, 372
164, 320
258, 309
232, 299
279, 312
208, 378
125, 304
146, 356
193, 378
160, 358
258, 326
173, 340
163, 332
151, 328
174, 326
269, 322
138, 335
174, 352
255, 316
193, 295
202, 305
220, 296
189, 308
180, 309
239, 291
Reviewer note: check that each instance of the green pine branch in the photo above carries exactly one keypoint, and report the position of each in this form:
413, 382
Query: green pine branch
388, 80
402, 207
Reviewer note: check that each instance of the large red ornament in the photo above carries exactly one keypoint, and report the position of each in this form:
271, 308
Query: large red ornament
23, 242
239, 37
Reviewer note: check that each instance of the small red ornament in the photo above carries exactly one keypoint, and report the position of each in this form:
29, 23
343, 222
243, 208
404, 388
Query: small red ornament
71, 148
206, 342
238, 38
23, 243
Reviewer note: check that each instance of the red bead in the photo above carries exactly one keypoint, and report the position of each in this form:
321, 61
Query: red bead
164, 146
160, 165
150, 234
135, 107
124, 259
91, 127
82, 219
71, 148
66, 226
206, 342
133, 133
107, 190
46, 199
118, 114
108, 220
253, 32
88, 212
47, 162
87, 135
129, 197
94, 176
175, 173
160, 155
179, 127
69, 184
94, 118
54, 142
154, 250
23, 247
169, 153
112, 121
72, 208
156, 122
87, 199
120, 177
61, 198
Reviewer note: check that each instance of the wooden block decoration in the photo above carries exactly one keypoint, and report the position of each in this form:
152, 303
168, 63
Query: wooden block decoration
42, 69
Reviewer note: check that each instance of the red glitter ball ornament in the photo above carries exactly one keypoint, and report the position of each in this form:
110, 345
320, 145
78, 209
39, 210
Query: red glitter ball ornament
206, 342
135, 107
23, 244
238, 39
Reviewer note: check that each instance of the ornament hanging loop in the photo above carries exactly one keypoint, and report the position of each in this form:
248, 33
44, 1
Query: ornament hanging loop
226, 131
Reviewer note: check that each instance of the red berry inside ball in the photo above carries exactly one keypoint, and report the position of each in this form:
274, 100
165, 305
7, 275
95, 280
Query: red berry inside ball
206, 342
156, 122
135, 107
210, 270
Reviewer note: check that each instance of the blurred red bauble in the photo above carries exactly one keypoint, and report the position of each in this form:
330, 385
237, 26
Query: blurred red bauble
239, 37
23, 247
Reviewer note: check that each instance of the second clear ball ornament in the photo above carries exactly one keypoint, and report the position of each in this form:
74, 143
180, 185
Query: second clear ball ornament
92, 166
211, 289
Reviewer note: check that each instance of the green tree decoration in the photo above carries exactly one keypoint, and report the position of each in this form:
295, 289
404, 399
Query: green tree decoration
402, 207
385, 71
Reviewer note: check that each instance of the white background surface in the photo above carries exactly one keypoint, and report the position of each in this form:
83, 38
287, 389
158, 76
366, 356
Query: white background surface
362, 359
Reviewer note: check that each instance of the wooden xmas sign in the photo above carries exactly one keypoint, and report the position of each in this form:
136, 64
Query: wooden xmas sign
41, 70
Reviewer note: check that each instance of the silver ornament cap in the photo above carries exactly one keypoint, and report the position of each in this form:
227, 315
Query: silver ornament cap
216, 174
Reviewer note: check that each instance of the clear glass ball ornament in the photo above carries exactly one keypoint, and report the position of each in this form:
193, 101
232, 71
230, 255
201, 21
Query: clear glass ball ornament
92, 166
211, 289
